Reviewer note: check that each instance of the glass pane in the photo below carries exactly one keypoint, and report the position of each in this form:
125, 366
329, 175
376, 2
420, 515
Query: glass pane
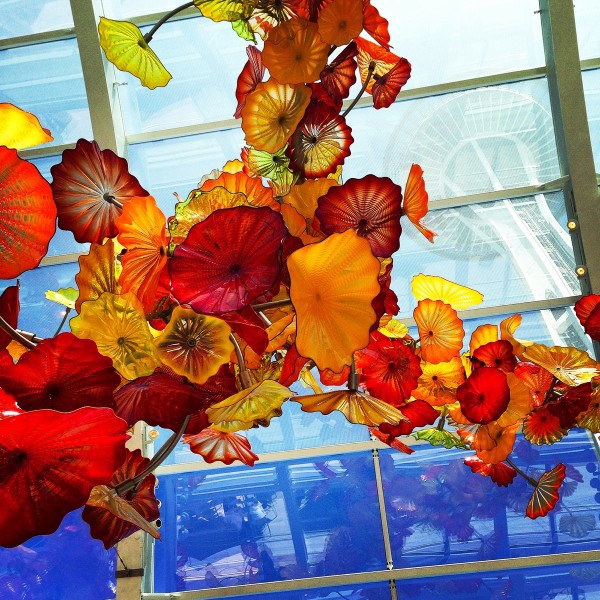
46, 80
439, 512
122, 9
465, 38
362, 591
177, 165
286, 520
38, 315
564, 582
205, 59
587, 16
518, 250
469, 142
591, 87
66, 564
63, 242
34, 16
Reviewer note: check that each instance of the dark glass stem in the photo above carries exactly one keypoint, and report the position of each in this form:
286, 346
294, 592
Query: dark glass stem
16, 335
530, 480
362, 89
164, 19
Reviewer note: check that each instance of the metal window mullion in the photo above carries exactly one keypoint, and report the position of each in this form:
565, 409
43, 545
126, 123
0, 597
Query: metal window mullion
98, 75
567, 101
54, 35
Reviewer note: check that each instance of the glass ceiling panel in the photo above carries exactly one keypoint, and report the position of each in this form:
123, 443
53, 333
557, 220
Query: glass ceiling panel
448, 41
587, 17
511, 251
123, 9
591, 87
480, 140
34, 16
46, 80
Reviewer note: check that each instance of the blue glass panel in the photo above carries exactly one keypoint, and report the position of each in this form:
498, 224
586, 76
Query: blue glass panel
46, 80
468, 142
68, 564
205, 59
38, 315
564, 582
361, 591
33, 16
439, 512
286, 520
591, 87
177, 165
518, 250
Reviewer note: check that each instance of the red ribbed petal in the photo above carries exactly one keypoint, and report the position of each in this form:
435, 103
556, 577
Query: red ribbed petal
387, 87
252, 74
569, 406
370, 206
292, 365
418, 413
9, 311
375, 25
228, 259
8, 406
545, 495
215, 445
62, 373
107, 527
416, 201
49, 463
27, 215
542, 427
484, 396
320, 143
83, 184
588, 312
250, 327
391, 441
340, 74
158, 399
500, 474
497, 354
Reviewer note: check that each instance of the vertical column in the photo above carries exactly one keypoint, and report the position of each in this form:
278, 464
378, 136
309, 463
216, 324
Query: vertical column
98, 75
573, 136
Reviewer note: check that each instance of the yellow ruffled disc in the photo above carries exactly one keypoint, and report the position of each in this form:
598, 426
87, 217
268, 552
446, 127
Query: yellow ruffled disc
431, 287
126, 48
569, 365
20, 129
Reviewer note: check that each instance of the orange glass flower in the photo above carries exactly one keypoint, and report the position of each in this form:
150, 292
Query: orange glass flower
142, 231
272, 113
294, 52
416, 201
569, 365
96, 273
437, 385
194, 345
332, 286
213, 445
340, 21
372, 57
440, 330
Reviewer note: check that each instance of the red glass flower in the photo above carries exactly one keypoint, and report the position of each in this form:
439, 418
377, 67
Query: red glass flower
49, 463
62, 373
387, 87
500, 473
340, 74
484, 396
588, 312
86, 184
109, 528
252, 74
213, 445
497, 354
545, 495
228, 259
9, 311
370, 205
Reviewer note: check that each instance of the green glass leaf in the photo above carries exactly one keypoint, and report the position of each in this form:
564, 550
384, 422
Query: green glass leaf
439, 438
243, 29
65, 296
226, 10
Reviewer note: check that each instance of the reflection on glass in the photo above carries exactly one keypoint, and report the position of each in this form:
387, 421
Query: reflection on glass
468, 142
177, 165
362, 591
67, 564
587, 16
123, 9
287, 520
591, 87
33, 16
439, 512
38, 315
46, 80
509, 250
564, 582
205, 59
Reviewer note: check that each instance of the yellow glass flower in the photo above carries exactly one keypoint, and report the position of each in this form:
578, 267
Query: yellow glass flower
225, 10
20, 129
272, 113
333, 284
194, 345
432, 287
569, 365
96, 273
118, 326
437, 385
126, 48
